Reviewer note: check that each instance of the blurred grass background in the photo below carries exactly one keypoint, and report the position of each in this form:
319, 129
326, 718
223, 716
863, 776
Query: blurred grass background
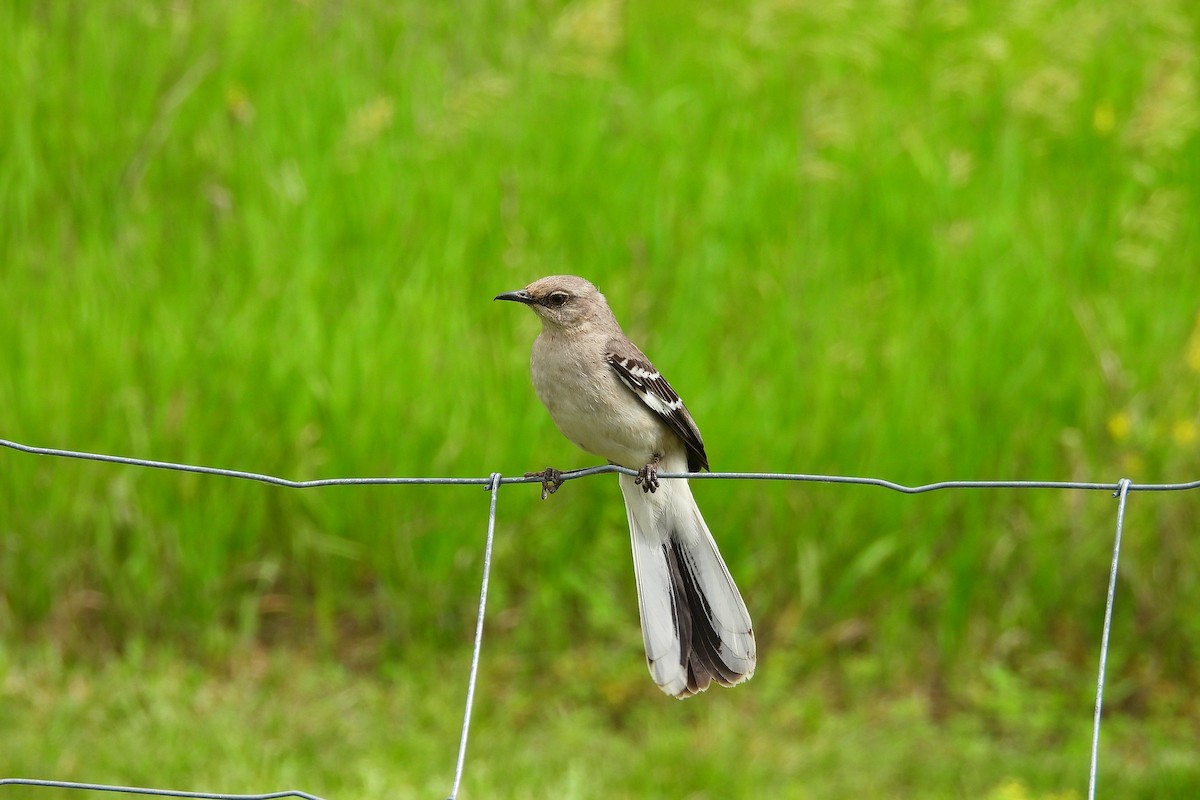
913, 240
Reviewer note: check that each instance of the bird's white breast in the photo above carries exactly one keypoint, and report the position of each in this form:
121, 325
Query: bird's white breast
589, 404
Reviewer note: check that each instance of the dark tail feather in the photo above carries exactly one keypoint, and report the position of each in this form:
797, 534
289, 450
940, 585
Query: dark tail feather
699, 642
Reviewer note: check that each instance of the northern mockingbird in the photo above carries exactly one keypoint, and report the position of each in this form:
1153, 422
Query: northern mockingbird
607, 398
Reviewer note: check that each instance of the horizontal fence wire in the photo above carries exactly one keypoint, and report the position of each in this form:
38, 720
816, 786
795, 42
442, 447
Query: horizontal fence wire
583, 473
104, 787
1120, 490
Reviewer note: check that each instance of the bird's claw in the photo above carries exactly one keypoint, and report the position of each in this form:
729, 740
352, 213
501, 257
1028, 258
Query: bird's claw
647, 478
551, 480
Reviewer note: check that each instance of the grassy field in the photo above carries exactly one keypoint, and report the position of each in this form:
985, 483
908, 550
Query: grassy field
266, 722
918, 241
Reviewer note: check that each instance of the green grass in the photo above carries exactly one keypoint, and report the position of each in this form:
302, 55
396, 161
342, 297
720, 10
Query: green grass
915, 241
271, 721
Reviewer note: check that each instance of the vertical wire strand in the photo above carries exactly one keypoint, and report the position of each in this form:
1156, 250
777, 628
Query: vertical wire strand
494, 488
1122, 493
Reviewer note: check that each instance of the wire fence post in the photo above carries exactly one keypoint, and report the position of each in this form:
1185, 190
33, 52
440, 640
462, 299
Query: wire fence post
1122, 493
493, 488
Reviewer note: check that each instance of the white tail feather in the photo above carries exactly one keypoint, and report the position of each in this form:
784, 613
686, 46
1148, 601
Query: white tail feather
694, 624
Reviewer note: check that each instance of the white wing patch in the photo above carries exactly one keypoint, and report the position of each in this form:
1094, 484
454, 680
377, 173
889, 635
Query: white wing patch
649, 384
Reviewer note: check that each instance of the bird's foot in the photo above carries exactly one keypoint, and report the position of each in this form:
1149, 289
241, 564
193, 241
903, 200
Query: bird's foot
551, 480
647, 477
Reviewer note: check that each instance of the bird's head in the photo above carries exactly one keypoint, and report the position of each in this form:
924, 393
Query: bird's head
561, 301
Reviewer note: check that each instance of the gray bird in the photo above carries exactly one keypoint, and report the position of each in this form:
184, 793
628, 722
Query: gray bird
606, 397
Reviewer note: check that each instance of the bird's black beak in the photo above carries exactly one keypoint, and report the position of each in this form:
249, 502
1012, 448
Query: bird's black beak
519, 296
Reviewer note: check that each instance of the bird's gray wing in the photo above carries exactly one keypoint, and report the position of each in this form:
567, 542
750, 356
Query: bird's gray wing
640, 376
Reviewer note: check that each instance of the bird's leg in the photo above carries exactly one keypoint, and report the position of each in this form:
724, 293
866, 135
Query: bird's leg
648, 475
551, 480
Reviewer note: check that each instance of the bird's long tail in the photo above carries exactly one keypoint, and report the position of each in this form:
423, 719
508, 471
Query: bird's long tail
694, 623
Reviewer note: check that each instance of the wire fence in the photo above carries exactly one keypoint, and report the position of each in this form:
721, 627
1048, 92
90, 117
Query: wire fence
1120, 490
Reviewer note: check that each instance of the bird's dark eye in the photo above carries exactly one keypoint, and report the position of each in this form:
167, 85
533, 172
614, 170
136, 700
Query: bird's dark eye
556, 299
